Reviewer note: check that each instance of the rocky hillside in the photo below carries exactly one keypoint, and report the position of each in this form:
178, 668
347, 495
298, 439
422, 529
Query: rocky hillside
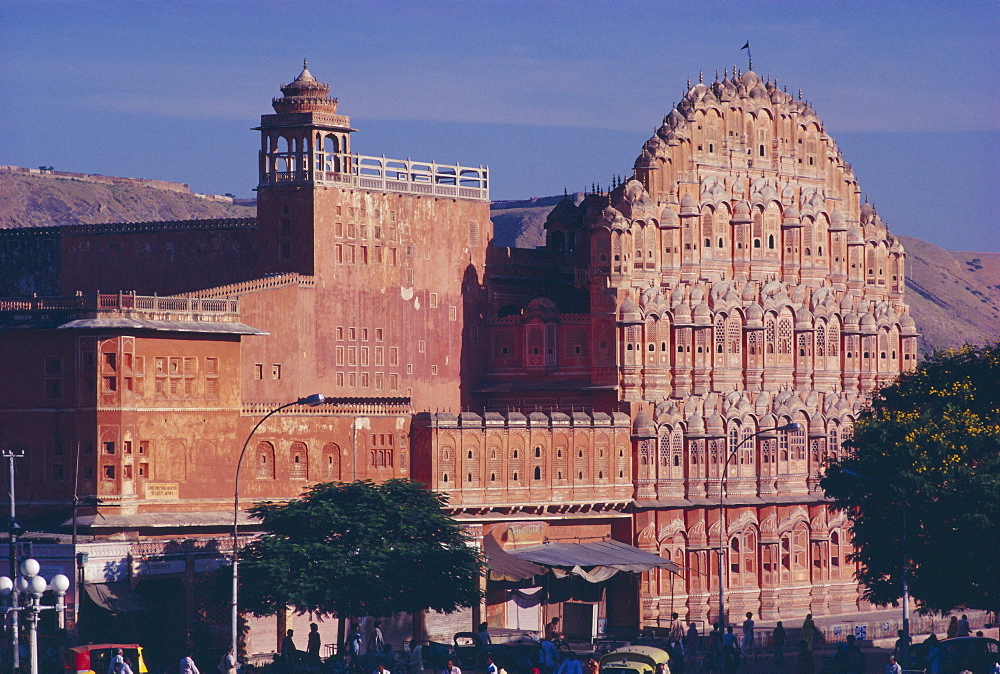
43, 199
954, 297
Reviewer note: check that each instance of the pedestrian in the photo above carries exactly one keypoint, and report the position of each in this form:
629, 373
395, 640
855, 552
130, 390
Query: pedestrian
451, 668
805, 662
354, 640
570, 665
313, 641
491, 667
897, 648
115, 665
963, 627
552, 631
730, 650
227, 663
809, 632
952, 631
416, 658
676, 637
376, 642
778, 638
748, 645
380, 669
691, 643
188, 666
484, 635
893, 666
125, 668
288, 649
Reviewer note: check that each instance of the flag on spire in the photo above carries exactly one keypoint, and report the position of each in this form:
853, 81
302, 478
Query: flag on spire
746, 46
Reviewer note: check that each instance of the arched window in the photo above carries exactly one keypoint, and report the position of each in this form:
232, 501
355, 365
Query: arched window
331, 462
265, 461
298, 461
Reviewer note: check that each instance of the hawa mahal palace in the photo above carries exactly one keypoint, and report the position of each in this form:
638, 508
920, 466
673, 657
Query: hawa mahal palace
588, 390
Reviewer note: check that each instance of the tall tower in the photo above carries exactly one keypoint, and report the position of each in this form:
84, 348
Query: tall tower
305, 141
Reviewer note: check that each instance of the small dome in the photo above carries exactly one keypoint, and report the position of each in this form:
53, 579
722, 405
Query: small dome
907, 325
851, 320
741, 214
868, 324
689, 207
682, 313
837, 220
702, 314
695, 425
749, 293
629, 311
755, 316
714, 426
759, 93
669, 218
854, 235
643, 426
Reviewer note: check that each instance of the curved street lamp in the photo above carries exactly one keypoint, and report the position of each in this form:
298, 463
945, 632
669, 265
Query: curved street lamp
793, 426
310, 401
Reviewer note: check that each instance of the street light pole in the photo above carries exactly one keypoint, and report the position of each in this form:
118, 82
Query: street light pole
793, 426
13, 531
35, 586
311, 401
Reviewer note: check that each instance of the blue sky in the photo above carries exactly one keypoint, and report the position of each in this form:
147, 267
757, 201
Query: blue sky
550, 95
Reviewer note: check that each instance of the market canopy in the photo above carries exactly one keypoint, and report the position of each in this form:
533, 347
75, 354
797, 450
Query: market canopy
596, 561
117, 596
504, 566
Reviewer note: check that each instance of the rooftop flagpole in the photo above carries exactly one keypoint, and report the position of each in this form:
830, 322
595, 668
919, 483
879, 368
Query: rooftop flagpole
749, 57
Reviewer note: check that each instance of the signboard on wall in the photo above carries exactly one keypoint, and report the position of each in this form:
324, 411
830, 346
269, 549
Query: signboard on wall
162, 490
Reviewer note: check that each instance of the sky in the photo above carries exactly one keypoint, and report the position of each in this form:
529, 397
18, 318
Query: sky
551, 96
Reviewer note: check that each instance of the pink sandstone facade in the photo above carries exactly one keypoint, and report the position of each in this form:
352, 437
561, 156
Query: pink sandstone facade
590, 389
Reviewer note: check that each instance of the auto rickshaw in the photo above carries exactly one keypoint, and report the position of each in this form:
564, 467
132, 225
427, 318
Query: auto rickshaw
634, 660
95, 658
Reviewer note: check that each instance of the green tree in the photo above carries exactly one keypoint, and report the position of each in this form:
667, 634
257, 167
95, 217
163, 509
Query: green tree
359, 548
927, 450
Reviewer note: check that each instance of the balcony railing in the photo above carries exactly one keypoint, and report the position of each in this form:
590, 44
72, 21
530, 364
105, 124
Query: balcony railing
382, 174
125, 303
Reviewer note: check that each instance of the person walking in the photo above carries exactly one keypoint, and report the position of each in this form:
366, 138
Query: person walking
354, 640
227, 663
952, 631
451, 668
809, 632
748, 645
416, 658
778, 638
691, 642
676, 637
187, 665
963, 627
893, 667
313, 641
805, 661
483, 635
114, 667
376, 642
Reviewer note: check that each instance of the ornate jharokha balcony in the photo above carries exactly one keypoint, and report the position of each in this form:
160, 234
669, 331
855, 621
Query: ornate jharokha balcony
383, 174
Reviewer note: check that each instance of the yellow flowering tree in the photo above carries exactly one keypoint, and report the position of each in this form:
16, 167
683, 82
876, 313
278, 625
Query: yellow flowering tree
926, 452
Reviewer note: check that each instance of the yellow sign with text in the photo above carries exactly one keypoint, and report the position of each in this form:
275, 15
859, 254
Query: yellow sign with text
165, 490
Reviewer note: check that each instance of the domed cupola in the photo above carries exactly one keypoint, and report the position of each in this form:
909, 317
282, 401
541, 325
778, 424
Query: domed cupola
741, 214
305, 94
643, 427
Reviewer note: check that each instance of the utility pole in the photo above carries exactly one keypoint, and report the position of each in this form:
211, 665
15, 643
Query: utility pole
13, 531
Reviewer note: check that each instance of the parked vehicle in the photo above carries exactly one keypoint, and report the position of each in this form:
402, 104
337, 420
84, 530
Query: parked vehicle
978, 655
95, 658
634, 660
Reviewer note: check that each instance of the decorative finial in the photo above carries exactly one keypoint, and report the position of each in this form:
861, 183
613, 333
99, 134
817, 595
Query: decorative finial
689, 83
305, 64
725, 73
700, 81
716, 74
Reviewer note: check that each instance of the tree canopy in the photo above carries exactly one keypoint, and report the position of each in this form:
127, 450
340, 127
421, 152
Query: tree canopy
359, 548
928, 448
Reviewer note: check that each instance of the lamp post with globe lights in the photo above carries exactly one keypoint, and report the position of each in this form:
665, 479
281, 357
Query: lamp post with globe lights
29, 583
790, 427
